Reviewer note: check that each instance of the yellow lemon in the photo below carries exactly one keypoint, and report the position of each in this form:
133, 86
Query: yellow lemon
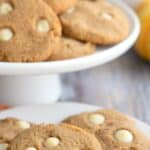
143, 43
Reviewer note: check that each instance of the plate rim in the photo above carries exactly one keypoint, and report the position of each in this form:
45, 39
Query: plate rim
87, 107
45, 105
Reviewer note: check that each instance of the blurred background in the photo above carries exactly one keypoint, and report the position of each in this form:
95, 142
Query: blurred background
122, 84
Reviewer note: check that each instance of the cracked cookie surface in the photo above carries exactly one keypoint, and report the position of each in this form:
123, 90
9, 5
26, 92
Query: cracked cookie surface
29, 30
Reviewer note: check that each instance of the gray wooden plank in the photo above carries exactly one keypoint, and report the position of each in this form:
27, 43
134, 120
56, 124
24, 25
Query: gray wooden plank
123, 84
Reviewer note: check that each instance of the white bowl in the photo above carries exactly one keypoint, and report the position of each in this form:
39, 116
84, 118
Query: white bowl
19, 83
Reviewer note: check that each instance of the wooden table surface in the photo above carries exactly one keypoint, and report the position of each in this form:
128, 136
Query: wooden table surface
123, 84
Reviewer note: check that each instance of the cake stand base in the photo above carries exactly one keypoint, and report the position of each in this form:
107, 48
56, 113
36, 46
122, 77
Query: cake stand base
25, 90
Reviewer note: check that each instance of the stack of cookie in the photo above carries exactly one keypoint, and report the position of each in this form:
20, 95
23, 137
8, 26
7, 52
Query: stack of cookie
45, 30
99, 130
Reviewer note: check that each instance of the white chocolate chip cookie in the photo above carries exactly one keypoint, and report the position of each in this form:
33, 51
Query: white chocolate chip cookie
97, 22
55, 137
29, 31
114, 130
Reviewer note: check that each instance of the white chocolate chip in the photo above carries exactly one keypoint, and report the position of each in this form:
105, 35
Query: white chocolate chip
23, 124
43, 26
5, 8
52, 142
31, 148
6, 34
124, 136
96, 119
106, 16
70, 10
3, 146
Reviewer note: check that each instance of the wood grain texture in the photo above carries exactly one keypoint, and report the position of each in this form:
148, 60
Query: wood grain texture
123, 84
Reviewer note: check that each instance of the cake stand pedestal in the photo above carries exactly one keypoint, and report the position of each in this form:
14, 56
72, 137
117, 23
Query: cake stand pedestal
24, 90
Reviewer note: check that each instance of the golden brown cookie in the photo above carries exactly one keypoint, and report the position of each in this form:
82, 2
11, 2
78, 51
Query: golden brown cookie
114, 130
71, 48
96, 22
29, 30
9, 128
59, 6
55, 137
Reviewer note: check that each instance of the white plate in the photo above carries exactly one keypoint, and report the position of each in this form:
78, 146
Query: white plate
54, 113
103, 54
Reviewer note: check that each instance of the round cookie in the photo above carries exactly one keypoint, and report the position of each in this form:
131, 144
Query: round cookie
71, 48
29, 31
9, 128
59, 6
58, 137
114, 130
97, 22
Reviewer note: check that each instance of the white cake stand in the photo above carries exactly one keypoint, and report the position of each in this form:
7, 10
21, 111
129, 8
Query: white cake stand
30, 83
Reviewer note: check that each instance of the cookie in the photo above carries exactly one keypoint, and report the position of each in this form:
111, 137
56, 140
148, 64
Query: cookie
29, 30
9, 128
58, 137
59, 6
97, 22
71, 48
114, 130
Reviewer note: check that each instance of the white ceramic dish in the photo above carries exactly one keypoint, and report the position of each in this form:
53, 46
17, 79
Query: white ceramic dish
54, 113
20, 83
